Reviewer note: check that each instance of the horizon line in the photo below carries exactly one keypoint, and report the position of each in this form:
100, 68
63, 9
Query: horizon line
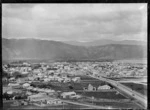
74, 41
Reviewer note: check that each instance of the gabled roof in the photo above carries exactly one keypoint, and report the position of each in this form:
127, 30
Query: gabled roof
68, 93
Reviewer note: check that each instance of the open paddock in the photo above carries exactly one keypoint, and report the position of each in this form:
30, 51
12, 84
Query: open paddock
84, 77
141, 88
104, 95
118, 105
8, 105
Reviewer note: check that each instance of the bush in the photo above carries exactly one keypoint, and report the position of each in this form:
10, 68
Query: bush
21, 96
5, 74
7, 96
17, 74
40, 85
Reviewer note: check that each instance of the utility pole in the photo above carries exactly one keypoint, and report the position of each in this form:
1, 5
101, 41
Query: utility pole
63, 105
92, 99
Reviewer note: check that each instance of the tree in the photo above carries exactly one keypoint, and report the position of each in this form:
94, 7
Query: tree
70, 87
5, 74
7, 96
17, 74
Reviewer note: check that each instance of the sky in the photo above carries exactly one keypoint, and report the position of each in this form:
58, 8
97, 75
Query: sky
75, 22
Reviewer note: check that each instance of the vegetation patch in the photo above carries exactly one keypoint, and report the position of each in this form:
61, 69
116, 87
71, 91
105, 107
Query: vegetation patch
104, 95
137, 87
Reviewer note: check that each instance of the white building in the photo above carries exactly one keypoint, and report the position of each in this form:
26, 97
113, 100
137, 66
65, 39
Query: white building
38, 97
13, 84
46, 79
12, 79
29, 88
76, 79
54, 102
91, 88
25, 85
67, 80
104, 87
60, 80
68, 94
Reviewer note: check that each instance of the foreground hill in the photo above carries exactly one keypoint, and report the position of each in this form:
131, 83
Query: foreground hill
53, 50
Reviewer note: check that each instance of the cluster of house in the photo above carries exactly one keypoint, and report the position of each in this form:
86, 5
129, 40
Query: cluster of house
55, 77
43, 98
64, 72
21, 69
114, 69
71, 95
92, 88
105, 68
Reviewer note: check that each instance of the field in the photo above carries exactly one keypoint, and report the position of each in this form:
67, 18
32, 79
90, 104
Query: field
84, 77
103, 95
85, 81
118, 105
128, 78
7, 106
74, 86
137, 87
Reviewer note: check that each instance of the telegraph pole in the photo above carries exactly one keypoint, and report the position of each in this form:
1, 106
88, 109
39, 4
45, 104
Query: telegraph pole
92, 99
63, 105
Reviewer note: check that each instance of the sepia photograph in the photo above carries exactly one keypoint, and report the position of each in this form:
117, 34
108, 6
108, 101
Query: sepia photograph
74, 56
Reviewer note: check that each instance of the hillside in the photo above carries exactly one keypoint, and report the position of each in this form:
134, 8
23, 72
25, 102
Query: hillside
106, 42
53, 50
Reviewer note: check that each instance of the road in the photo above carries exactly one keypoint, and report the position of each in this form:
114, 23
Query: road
137, 82
86, 105
142, 100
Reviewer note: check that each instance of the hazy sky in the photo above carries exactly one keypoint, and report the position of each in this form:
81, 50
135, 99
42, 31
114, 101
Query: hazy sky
75, 22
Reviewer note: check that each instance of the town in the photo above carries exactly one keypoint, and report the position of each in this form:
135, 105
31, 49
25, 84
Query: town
67, 84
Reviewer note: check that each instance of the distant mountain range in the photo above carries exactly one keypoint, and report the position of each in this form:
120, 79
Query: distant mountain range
106, 42
15, 49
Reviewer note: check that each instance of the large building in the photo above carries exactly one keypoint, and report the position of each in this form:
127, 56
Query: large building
38, 97
104, 87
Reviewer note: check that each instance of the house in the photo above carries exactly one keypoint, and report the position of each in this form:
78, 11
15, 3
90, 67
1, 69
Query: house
24, 72
28, 93
10, 92
30, 78
51, 77
54, 102
90, 88
46, 79
29, 88
49, 91
13, 84
4, 79
37, 71
67, 80
75, 96
68, 94
5, 89
38, 97
76, 79
60, 80
56, 77
104, 87
24, 103
34, 89
50, 71
12, 79
25, 85
64, 75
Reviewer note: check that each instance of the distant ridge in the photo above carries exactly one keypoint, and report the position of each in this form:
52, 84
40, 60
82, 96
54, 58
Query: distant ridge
55, 50
106, 42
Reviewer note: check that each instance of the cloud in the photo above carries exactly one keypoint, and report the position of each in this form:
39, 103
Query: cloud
84, 22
